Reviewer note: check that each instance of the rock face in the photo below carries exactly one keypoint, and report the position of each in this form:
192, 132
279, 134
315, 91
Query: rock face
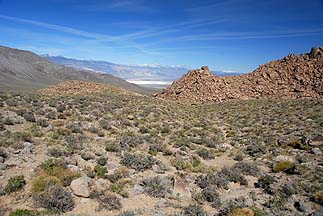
295, 76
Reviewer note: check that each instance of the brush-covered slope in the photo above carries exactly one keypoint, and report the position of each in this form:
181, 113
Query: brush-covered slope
295, 76
24, 70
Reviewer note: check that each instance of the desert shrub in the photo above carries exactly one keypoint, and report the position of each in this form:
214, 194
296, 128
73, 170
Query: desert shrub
211, 195
318, 197
29, 116
109, 202
60, 108
35, 131
181, 164
43, 182
246, 168
276, 203
242, 212
112, 147
50, 115
233, 176
194, 210
257, 211
137, 161
21, 136
12, 102
156, 148
104, 123
75, 127
14, 184
8, 121
128, 142
127, 213
265, 183
239, 157
157, 186
26, 212
288, 189
231, 205
87, 156
59, 133
58, 169
121, 172
55, 198
204, 181
42, 122
57, 152
206, 154
100, 171
284, 166
102, 161
21, 112
75, 141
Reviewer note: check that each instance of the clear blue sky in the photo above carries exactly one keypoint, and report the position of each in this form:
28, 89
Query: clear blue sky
235, 35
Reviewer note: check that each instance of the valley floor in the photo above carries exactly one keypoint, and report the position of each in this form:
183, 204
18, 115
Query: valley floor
119, 154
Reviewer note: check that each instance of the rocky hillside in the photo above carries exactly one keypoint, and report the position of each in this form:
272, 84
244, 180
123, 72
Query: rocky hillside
76, 87
295, 76
22, 71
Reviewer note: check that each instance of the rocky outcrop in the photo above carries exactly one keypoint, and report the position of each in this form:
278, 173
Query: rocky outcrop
295, 76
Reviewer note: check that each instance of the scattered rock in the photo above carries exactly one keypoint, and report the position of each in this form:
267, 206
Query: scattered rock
137, 190
27, 147
316, 151
1, 159
180, 189
3, 166
81, 186
157, 169
73, 168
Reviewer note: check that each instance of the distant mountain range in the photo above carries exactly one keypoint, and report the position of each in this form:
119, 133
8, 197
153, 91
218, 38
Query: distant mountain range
23, 71
139, 74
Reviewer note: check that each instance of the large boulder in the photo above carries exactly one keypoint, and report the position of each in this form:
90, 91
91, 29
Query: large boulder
81, 186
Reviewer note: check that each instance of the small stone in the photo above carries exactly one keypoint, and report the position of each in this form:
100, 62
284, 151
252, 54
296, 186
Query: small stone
27, 147
157, 169
180, 189
3, 166
16, 151
137, 190
1, 159
73, 168
316, 151
81, 186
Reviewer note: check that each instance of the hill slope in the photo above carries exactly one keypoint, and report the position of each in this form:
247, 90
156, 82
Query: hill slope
24, 70
129, 72
295, 76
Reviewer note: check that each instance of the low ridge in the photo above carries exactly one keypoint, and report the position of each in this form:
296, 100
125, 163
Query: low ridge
295, 76
77, 87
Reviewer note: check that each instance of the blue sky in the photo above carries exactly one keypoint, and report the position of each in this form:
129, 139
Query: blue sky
227, 35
